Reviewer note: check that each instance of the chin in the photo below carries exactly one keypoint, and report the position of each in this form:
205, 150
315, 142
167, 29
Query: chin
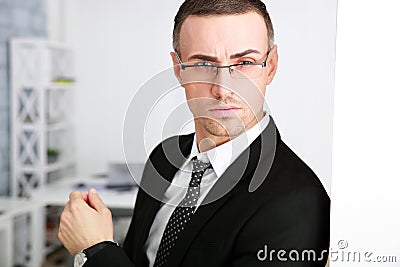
224, 130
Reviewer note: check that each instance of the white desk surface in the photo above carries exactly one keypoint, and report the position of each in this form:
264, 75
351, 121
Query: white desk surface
57, 193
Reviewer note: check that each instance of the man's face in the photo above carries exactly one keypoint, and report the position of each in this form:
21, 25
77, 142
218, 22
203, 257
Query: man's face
226, 106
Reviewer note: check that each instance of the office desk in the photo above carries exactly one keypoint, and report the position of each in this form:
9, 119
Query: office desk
57, 193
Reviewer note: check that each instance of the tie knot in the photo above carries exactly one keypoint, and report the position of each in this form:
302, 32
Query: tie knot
199, 167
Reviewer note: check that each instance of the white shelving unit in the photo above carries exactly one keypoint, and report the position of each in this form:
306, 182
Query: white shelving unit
42, 82
42, 130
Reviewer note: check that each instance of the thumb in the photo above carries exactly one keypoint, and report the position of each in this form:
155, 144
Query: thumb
95, 200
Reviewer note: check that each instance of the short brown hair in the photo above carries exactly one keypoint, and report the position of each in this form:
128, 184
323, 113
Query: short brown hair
220, 7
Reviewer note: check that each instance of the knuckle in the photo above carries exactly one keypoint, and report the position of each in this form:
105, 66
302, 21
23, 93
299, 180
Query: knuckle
75, 207
62, 217
74, 194
60, 235
107, 212
67, 207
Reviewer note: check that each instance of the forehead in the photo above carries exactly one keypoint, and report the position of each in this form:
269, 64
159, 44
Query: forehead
223, 34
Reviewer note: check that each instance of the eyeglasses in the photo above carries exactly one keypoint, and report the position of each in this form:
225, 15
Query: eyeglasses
206, 71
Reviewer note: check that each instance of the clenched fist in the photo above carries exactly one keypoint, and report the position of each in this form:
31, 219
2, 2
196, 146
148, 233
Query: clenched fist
85, 222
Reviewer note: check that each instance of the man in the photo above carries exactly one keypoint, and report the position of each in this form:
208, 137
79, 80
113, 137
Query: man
232, 194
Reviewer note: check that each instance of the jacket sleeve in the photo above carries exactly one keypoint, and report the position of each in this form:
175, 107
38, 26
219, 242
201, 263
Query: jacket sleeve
110, 256
290, 231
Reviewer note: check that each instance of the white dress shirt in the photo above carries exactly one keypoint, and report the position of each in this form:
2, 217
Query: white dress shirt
220, 157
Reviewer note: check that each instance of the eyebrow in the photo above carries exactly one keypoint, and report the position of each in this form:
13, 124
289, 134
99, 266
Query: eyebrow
203, 57
244, 53
215, 59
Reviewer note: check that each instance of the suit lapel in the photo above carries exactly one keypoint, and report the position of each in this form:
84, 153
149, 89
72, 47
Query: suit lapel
142, 226
158, 173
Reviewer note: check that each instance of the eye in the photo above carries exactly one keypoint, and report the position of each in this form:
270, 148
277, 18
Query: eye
246, 62
203, 64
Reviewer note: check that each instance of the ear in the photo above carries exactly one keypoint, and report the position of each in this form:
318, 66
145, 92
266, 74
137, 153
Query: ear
177, 68
272, 64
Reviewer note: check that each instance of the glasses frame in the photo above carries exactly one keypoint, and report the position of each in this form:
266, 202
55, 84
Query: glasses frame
217, 67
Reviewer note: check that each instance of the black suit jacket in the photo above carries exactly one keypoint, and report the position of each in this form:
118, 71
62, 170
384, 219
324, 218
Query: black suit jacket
268, 199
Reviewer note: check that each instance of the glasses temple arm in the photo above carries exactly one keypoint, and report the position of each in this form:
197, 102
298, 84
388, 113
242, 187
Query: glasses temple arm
179, 60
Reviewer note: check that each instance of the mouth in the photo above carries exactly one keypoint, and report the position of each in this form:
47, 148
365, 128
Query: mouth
224, 111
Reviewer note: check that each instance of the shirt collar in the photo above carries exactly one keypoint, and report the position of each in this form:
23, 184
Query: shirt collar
222, 156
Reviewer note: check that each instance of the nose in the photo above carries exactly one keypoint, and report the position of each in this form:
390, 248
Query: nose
222, 84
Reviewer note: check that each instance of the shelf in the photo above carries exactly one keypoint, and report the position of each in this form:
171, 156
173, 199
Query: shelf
58, 126
60, 86
30, 126
50, 85
58, 165
51, 248
49, 167
55, 126
55, 166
